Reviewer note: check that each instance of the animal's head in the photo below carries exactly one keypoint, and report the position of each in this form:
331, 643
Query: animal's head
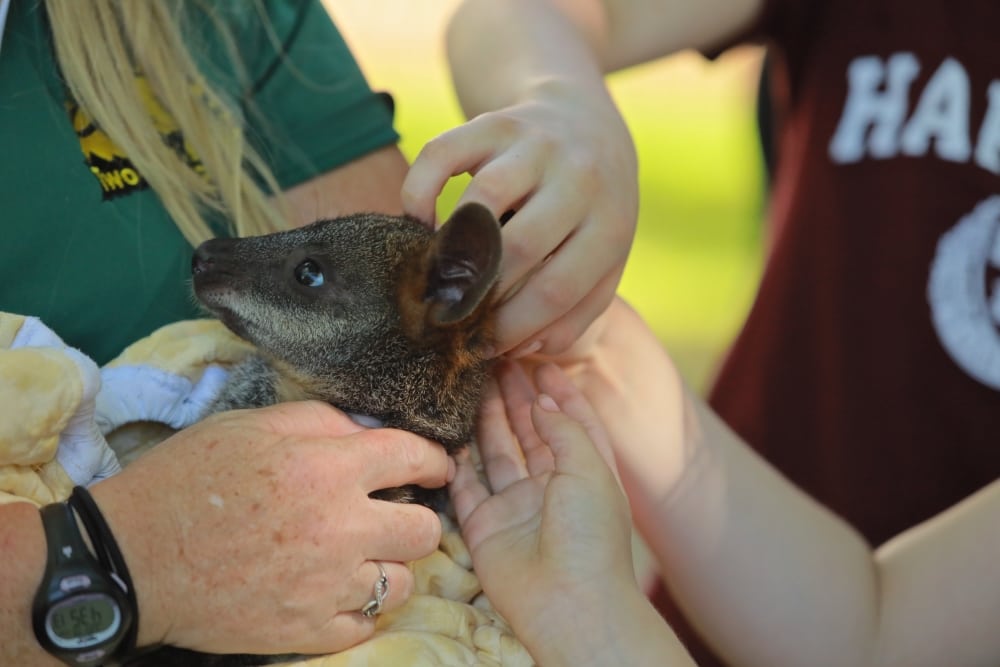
370, 312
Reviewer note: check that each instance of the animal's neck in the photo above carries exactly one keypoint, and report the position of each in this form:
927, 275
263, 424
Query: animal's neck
418, 398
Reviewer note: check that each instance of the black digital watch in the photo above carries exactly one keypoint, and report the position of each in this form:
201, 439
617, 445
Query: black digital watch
81, 612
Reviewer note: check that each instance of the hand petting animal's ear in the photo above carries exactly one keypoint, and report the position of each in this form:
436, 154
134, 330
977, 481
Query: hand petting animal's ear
463, 264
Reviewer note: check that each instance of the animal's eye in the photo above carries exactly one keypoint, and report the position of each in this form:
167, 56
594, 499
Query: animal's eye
309, 274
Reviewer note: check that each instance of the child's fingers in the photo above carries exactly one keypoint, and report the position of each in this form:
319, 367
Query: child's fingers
467, 491
572, 449
555, 334
552, 380
518, 395
498, 449
454, 152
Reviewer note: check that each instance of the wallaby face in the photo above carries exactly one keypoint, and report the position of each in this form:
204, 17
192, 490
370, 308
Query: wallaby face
375, 314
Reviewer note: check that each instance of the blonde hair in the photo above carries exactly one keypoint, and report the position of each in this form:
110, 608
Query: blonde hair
127, 64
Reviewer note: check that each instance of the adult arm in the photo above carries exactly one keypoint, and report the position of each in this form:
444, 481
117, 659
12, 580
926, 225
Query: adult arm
770, 576
369, 183
251, 531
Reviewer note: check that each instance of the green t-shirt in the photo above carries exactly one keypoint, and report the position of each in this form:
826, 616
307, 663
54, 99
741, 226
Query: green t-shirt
100, 261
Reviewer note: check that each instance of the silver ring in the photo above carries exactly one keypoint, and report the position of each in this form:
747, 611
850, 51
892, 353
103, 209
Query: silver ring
379, 593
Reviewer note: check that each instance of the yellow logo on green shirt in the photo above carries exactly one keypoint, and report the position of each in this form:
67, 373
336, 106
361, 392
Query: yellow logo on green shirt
109, 163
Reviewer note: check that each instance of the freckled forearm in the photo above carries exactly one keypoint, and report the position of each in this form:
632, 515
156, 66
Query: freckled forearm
22, 545
135, 537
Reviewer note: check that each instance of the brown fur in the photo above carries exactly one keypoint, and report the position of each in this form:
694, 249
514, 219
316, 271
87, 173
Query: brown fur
400, 329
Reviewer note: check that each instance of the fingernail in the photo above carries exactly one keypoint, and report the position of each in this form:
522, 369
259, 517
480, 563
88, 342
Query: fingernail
524, 351
547, 403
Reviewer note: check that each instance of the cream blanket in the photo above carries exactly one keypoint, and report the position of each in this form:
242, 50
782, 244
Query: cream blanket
58, 410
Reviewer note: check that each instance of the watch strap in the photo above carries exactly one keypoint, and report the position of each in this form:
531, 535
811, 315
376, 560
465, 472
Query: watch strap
64, 543
110, 556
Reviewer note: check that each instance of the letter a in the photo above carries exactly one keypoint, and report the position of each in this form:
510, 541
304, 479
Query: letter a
941, 114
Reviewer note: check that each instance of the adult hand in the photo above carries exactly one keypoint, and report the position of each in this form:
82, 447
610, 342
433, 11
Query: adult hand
564, 161
252, 531
553, 535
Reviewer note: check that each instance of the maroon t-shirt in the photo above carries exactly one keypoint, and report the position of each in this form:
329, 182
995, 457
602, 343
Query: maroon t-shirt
868, 369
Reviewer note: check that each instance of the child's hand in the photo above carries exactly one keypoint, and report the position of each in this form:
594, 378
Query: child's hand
564, 161
553, 535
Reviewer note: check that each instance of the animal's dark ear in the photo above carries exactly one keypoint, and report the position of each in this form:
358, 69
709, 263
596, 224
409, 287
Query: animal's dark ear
464, 264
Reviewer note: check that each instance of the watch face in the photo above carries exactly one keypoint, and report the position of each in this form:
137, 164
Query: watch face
83, 620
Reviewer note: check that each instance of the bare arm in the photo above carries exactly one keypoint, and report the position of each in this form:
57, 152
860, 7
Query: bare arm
772, 577
524, 41
184, 508
371, 183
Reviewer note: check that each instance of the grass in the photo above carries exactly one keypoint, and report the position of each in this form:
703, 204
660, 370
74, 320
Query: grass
696, 261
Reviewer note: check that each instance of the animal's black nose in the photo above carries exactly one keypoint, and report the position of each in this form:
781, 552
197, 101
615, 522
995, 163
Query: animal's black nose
201, 261
212, 254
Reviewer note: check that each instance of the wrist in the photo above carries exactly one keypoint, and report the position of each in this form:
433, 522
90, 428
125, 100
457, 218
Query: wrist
613, 628
84, 610
565, 630
653, 419
132, 534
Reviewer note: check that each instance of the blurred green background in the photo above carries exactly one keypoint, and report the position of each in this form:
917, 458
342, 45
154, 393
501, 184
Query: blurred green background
696, 260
